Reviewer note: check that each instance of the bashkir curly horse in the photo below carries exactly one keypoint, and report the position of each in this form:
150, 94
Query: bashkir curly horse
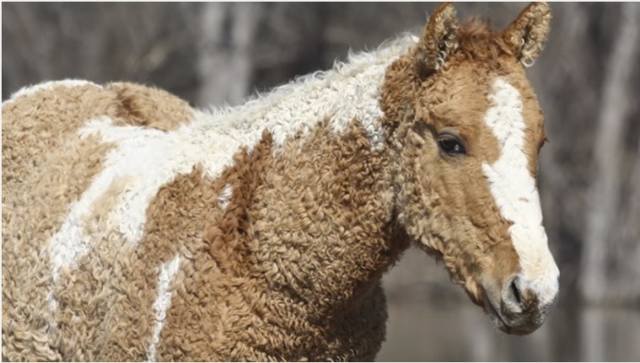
136, 227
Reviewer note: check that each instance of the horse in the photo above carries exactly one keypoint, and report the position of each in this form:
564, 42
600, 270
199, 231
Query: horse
138, 228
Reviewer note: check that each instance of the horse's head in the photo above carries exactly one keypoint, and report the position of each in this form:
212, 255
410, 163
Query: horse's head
468, 128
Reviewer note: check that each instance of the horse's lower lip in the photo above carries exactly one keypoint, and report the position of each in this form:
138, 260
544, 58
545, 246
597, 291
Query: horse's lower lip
504, 325
497, 317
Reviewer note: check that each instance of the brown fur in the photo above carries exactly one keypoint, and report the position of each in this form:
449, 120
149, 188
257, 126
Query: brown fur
290, 269
38, 187
229, 288
441, 205
46, 168
286, 298
524, 39
139, 105
439, 39
97, 218
527, 34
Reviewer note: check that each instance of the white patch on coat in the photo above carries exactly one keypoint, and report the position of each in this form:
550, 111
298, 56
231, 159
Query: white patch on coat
515, 192
349, 91
151, 158
225, 196
162, 303
30, 90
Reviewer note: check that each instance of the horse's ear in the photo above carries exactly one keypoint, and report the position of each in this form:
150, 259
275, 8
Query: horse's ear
438, 39
527, 35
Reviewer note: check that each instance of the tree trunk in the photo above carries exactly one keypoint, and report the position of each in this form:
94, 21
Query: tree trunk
224, 63
605, 204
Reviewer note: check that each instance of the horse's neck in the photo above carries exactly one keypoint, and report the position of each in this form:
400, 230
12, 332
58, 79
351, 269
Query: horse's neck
349, 91
323, 217
322, 209
327, 201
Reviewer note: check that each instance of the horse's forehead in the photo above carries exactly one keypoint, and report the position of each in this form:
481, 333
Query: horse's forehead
459, 96
468, 85
463, 96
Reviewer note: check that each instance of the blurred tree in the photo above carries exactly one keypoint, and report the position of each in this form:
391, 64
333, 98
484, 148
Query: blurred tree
148, 43
227, 36
608, 274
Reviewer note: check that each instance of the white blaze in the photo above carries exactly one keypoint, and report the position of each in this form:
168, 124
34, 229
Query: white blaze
515, 192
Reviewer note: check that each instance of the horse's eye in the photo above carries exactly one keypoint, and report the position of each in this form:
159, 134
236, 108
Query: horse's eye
451, 144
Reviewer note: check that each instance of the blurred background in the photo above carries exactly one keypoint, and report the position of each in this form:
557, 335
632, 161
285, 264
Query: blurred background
588, 82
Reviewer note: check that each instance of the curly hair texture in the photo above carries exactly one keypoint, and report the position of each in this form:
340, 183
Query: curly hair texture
138, 228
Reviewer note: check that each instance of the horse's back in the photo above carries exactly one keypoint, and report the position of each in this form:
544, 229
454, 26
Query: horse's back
47, 166
42, 119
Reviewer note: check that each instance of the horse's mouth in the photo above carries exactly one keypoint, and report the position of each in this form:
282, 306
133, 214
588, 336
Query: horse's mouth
495, 315
516, 326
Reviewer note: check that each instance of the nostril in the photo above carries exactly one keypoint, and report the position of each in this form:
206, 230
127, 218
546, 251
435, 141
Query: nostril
515, 292
512, 295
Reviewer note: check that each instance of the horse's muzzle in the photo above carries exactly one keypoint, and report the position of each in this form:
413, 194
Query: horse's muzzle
517, 308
